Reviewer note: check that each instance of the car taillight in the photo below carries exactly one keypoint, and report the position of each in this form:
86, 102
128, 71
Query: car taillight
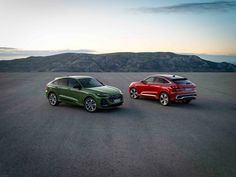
174, 88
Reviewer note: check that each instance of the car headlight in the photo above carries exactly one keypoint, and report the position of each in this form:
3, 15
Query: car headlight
102, 94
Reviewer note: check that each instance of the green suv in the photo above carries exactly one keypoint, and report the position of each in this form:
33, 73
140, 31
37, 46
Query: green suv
83, 91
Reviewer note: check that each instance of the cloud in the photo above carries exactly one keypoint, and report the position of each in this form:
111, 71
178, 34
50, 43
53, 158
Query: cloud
214, 6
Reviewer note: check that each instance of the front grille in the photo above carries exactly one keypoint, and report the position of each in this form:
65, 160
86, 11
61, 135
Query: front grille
113, 97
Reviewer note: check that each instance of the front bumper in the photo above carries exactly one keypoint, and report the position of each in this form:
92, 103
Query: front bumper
111, 101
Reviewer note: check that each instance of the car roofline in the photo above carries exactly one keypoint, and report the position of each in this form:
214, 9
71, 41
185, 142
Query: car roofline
167, 76
73, 77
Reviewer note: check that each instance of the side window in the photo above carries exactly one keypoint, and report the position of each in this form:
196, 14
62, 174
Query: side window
55, 82
149, 80
72, 83
163, 81
62, 82
160, 80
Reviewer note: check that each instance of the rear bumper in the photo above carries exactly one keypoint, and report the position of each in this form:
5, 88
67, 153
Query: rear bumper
183, 96
186, 97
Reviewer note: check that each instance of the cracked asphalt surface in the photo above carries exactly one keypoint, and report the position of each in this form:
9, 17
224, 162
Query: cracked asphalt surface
139, 139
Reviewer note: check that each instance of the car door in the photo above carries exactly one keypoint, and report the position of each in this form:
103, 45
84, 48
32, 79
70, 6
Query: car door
74, 93
62, 88
146, 88
155, 86
159, 85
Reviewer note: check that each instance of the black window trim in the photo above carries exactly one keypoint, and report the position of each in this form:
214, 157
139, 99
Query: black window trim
57, 80
73, 79
149, 78
53, 82
167, 82
89, 77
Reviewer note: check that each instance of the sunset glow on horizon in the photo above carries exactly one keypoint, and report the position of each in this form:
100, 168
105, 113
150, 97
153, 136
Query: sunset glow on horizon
133, 26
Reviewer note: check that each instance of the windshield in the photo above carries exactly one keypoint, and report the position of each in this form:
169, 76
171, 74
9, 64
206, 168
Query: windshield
182, 81
90, 82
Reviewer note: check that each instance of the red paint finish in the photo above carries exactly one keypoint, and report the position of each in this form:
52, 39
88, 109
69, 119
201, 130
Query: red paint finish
178, 88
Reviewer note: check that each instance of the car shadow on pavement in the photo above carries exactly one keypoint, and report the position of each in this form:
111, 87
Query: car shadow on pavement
81, 108
122, 110
194, 104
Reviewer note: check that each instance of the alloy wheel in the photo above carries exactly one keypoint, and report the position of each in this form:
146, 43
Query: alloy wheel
164, 99
133, 93
52, 99
90, 105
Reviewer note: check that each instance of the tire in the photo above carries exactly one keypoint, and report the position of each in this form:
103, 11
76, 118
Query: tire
133, 93
90, 104
164, 99
52, 98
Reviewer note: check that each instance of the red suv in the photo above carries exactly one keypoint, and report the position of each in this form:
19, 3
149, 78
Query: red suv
166, 88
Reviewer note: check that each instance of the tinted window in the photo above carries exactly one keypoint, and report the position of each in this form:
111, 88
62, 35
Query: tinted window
181, 81
149, 80
160, 80
62, 82
72, 83
90, 82
55, 82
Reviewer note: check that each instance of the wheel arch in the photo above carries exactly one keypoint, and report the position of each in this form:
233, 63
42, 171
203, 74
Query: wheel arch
51, 91
133, 87
88, 96
163, 91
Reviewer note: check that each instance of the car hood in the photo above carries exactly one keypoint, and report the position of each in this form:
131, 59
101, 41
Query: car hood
105, 89
134, 83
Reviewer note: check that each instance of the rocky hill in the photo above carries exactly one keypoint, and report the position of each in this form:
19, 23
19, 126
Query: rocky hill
116, 62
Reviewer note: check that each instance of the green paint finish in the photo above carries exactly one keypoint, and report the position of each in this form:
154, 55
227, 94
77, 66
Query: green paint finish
75, 90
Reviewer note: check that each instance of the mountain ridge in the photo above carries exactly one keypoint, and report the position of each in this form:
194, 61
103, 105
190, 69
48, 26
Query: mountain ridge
116, 62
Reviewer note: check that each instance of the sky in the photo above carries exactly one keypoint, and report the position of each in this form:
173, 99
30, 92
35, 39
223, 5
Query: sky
180, 26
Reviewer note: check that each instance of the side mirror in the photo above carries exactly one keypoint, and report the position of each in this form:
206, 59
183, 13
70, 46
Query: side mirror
77, 87
144, 82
